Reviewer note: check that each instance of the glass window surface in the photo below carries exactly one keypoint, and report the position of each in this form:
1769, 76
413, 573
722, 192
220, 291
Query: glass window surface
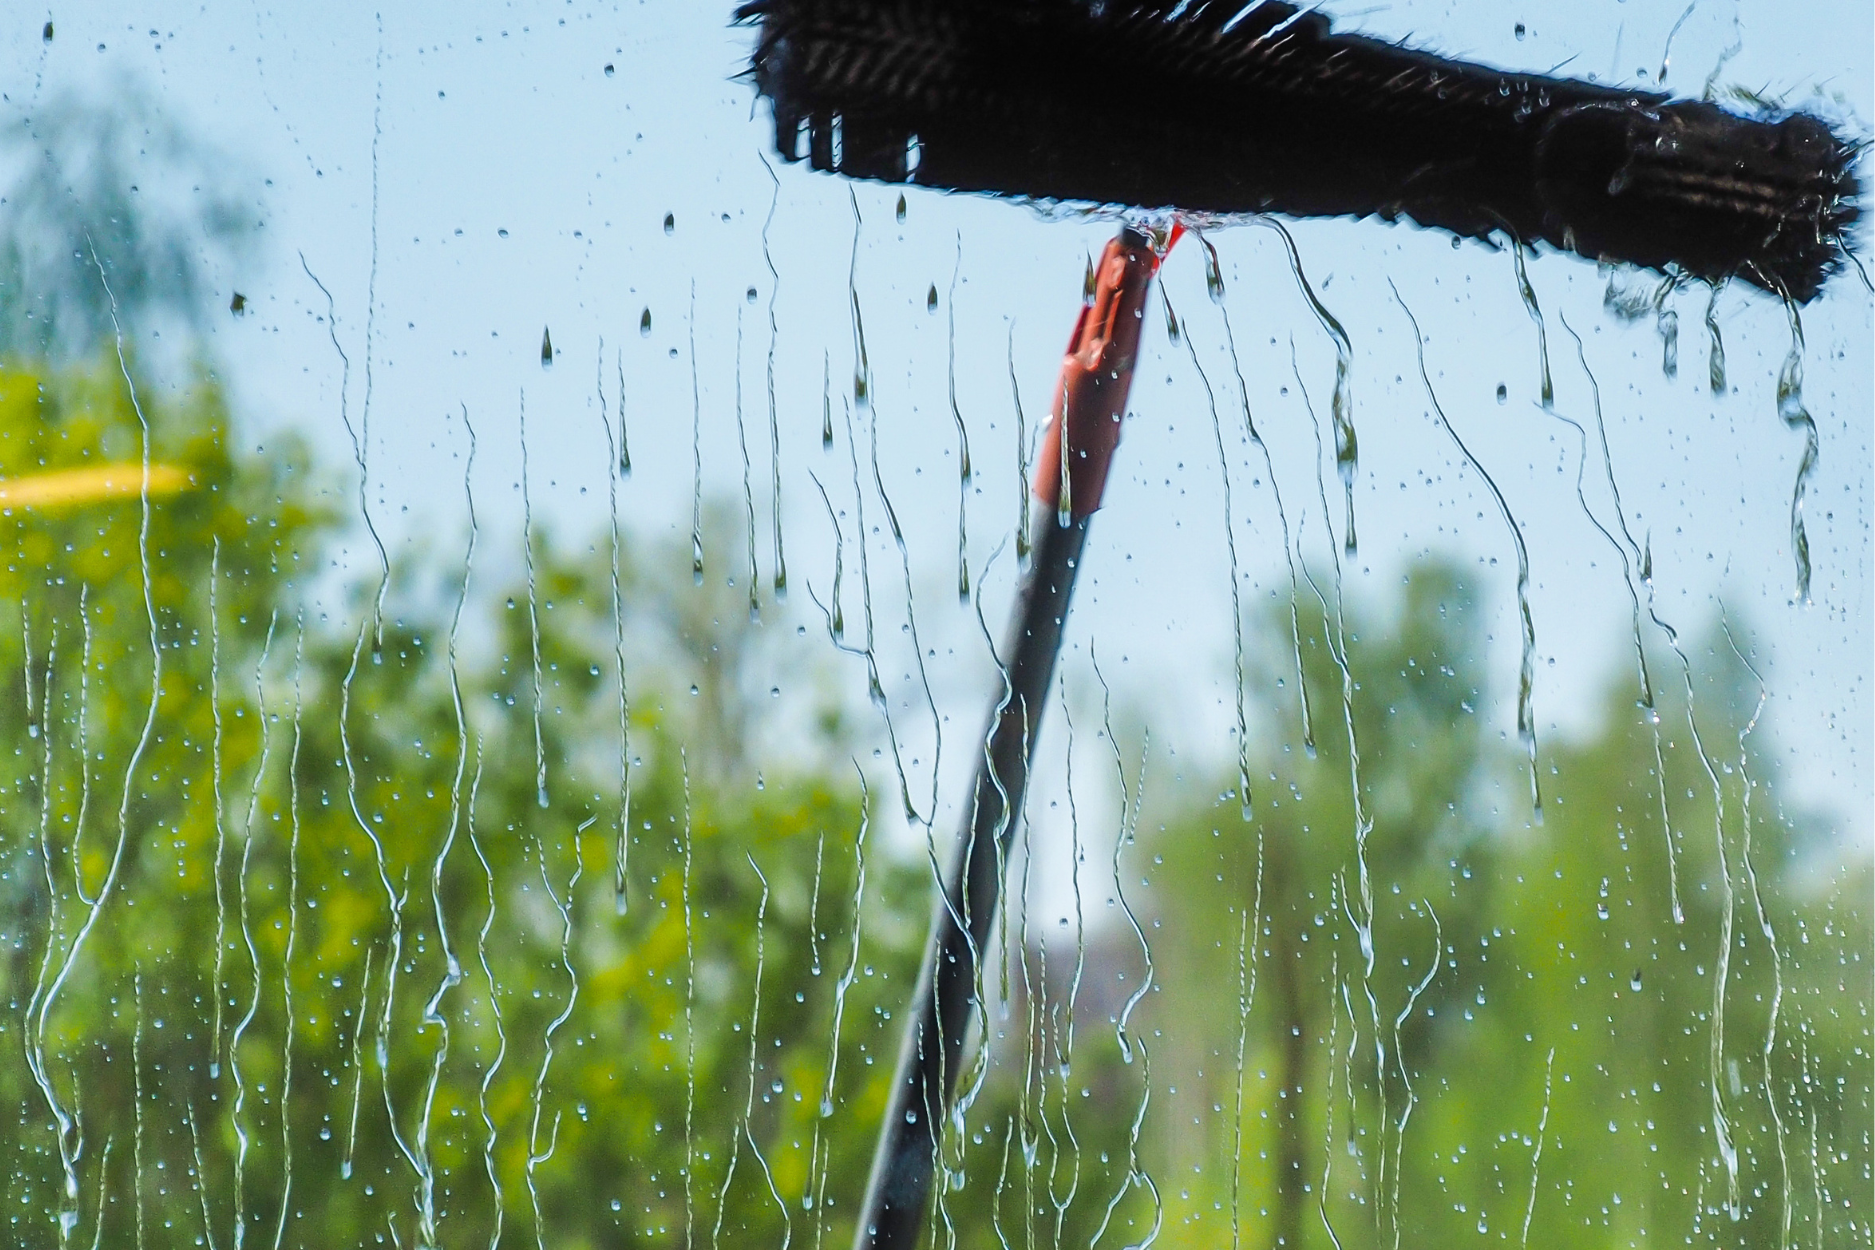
508, 577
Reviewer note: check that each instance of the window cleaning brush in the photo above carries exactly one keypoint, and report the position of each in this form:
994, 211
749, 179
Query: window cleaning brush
1221, 109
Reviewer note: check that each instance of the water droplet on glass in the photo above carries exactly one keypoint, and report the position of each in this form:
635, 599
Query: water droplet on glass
901, 210
1503, 393
670, 223
546, 349
609, 71
930, 299
1667, 324
644, 324
1634, 982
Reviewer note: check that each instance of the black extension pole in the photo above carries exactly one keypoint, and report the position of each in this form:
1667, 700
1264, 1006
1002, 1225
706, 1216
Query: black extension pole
1095, 378
941, 1006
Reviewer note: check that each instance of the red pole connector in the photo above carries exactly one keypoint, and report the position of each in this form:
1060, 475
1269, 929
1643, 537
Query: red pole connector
1096, 374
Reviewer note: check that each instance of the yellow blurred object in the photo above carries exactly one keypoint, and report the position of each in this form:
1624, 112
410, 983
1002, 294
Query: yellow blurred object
66, 487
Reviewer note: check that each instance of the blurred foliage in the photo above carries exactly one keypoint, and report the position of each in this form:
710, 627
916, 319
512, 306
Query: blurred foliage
311, 829
1453, 1021
96, 188
303, 951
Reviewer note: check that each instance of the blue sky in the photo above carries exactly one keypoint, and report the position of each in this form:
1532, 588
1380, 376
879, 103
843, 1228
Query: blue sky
516, 165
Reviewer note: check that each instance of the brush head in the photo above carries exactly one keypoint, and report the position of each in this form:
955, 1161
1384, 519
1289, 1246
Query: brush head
1207, 109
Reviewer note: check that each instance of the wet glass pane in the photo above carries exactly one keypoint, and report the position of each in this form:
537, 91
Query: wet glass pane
516, 558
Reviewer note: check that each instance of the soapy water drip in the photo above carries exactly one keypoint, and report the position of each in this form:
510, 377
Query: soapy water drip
1001, 832
1282, 515
1236, 600
34, 1023
1022, 458
292, 938
912, 815
491, 1137
742, 1130
433, 1015
1667, 325
748, 490
774, 419
235, 1114
690, 1004
1131, 803
214, 707
621, 458
562, 902
1363, 920
1715, 357
696, 450
817, 1195
1249, 932
1721, 1121
137, 1101
1627, 552
1341, 407
1526, 721
533, 615
1770, 935
1406, 1077
862, 369
357, 1064
963, 435
836, 616
1536, 1157
1790, 408
66, 1125
1328, 1103
1546, 388
1641, 554
621, 854
826, 402
360, 449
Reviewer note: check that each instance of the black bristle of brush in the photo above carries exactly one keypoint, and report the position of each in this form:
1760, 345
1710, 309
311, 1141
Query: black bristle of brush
1203, 108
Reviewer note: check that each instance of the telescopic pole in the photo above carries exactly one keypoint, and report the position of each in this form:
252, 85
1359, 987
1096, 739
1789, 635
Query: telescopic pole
1070, 474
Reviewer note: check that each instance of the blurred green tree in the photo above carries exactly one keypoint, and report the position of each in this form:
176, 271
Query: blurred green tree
96, 186
1535, 1050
